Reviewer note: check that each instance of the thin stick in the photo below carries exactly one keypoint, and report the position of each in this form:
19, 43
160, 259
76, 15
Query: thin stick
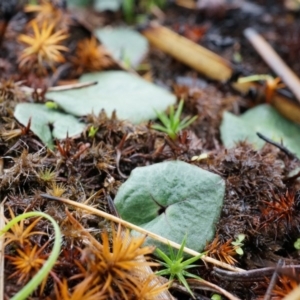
212, 65
251, 275
78, 85
199, 284
272, 283
281, 147
274, 61
143, 231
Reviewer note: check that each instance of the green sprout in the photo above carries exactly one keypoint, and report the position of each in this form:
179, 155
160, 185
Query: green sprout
200, 157
92, 131
271, 84
172, 124
238, 244
256, 77
176, 267
51, 105
148, 4
128, 10
44, 271
297, 244
130, 7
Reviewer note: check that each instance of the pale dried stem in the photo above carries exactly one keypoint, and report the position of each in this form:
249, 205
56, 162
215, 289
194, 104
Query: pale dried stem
201, 284
143, 231
144, 270
213, 66
274, 61
78, 85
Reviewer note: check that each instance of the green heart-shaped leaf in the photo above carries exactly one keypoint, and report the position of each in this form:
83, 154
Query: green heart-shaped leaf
42, 117
124, 44
173, 199
265, 120
132, 97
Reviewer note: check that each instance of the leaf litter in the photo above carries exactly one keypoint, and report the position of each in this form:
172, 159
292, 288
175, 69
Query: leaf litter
261, 197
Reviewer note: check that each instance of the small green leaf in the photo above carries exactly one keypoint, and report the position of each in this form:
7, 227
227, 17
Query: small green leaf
256, 77
241, 237
164, 256
171, 251
92, 131
184, 282
160, 128
187, 121
51, 105
171, 121
42, 117
216, 297
193, 259
163, 118
190, 275
124, 43
265, 120
180, 252
178, 112
163, 272
190, 266
297, 244
133, 98
239, 251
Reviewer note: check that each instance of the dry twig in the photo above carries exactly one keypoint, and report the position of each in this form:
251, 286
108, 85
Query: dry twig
143, 231
274, 61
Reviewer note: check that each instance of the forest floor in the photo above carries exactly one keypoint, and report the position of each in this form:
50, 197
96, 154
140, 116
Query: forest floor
262, 199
